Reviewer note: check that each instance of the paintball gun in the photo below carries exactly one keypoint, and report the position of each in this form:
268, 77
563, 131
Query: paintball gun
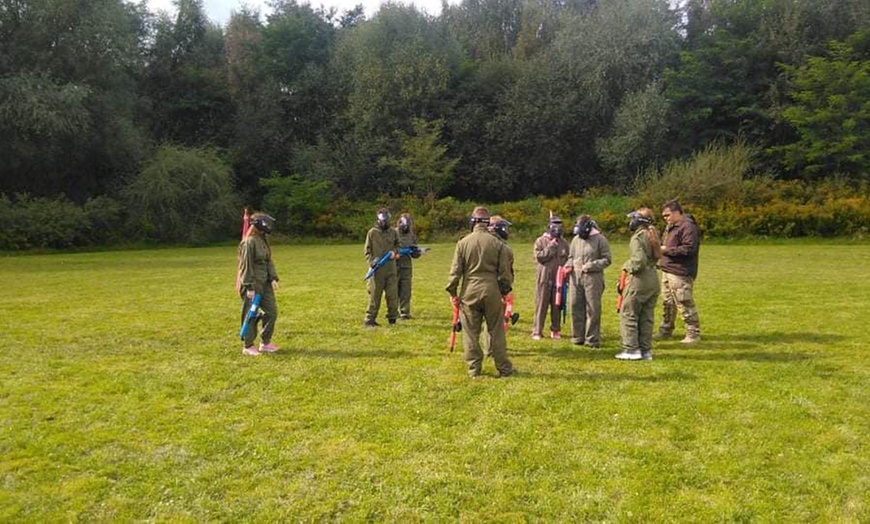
249, 318
412, 251
457, 326
510, 318
620, 287
562, 291
379, 264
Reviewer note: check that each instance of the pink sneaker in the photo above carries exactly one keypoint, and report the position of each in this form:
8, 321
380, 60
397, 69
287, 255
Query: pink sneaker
251, 351
555, 335
268, 348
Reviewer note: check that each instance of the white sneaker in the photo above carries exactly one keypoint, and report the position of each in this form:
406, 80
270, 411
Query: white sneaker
629, 355
251, 351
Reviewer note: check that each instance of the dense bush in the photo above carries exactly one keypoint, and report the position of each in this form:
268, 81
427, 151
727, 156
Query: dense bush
711, 176
30, 223
183, 195
757, 207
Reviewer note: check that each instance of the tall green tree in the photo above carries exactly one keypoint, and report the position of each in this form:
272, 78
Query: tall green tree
68, 91
188, 99
395, 68
831, 113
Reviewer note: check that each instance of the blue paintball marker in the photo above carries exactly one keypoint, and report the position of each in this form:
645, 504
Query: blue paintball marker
412, 251
250, 317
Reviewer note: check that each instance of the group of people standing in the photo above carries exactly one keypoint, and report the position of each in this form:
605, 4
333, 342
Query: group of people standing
481, 279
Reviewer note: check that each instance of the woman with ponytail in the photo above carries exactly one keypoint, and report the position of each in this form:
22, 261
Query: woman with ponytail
637, 317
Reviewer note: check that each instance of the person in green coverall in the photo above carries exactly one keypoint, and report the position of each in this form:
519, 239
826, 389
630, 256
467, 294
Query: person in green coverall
258, 276
588, 257
637, 317
380, 239
479, 277
404, 266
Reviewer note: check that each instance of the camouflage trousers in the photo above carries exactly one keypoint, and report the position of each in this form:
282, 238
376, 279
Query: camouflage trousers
677, 294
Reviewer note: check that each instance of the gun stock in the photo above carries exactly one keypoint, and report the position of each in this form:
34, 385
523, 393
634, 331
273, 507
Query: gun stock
457, 327
252, 314
620, 288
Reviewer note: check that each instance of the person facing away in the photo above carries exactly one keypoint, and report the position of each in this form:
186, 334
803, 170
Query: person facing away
404, 267
499, 227
380, 239
588, 256
637, 317
258, 276
479, 277
551, 252
680, 247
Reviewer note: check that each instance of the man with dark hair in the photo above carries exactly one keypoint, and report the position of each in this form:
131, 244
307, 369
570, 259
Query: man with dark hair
380, 239
481, 265
680, 245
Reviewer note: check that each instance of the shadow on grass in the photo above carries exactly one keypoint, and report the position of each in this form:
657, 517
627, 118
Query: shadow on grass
348, 353
750, 356
675, 376
752, 340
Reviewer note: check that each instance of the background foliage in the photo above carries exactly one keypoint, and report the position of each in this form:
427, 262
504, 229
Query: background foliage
490, 101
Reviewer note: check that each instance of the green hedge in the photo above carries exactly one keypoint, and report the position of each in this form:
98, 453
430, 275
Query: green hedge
766, 209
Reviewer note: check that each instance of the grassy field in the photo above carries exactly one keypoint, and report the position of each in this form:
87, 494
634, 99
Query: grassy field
124, 396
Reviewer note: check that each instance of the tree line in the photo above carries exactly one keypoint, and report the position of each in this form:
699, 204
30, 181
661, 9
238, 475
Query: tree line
492, 100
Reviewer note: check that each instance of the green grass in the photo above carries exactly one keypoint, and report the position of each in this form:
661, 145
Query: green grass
124, 396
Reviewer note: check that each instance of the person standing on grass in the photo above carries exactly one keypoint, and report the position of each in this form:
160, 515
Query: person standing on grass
680, 247
551, 252
258, 276
588, 256
637, 317
380, 239
404, 267
479, 278
498, 226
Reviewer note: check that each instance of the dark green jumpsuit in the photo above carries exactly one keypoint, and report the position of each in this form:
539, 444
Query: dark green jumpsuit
481, 264
257, 271
378, 242
637, 318
405, 270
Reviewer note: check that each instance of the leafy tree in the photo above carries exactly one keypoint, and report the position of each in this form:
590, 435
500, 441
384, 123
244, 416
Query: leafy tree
295, 202
566, 98
394, 68
67, 95
423, 167
188, 98
831, 113
637, 135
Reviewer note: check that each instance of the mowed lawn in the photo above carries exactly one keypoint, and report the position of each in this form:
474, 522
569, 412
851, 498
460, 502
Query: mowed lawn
124, 396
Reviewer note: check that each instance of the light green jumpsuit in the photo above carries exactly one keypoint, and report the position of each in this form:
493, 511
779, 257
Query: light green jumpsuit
637, 318
481, 263
257, 271
383, 281
587, 287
